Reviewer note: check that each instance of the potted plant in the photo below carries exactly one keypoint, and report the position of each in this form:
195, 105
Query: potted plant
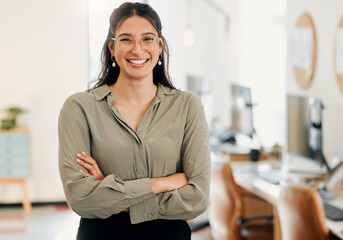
12, 114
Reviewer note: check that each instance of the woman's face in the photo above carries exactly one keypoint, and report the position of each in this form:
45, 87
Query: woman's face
136, 63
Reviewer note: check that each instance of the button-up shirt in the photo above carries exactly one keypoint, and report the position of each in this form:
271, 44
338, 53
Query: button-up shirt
172, 137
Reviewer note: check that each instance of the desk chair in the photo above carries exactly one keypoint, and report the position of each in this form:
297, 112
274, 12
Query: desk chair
226, 210
301, 214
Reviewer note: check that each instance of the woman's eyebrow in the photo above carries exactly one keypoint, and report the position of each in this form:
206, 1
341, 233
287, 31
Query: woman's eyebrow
130, 35
124, 34
149, 33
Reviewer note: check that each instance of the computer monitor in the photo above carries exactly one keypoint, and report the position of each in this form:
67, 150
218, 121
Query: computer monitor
304, 127
242, 113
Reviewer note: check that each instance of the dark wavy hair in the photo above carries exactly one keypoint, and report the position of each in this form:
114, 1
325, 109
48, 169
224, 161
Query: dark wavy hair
109, 74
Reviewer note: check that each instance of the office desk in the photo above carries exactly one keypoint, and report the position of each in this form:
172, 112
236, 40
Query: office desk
246, 176
236, 152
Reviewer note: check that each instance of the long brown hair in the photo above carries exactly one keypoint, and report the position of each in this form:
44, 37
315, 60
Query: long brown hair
109, 74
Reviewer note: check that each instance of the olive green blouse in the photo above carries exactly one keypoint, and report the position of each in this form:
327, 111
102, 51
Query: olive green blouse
172, 137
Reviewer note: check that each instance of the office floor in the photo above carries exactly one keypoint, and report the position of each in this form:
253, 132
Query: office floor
48, 223
45, 222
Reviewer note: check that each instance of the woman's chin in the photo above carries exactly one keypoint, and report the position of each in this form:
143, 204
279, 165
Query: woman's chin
138, 75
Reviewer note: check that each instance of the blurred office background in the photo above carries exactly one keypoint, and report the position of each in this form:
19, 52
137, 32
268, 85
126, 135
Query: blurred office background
51, 49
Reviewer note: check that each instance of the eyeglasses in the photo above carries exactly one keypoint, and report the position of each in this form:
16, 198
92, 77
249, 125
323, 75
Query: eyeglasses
126, 44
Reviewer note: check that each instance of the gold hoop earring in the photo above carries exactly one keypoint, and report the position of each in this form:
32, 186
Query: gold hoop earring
114, 63
160, 60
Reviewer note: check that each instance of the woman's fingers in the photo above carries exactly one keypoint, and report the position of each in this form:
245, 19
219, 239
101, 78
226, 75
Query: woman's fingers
85, 173
85, 157
84, 164
88, 159
90, 165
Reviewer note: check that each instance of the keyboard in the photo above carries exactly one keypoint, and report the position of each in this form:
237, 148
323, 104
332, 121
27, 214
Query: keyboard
271, 177
332, 212
325, 195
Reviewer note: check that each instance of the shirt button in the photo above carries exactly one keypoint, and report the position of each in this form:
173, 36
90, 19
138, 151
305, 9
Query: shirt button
149, 215
132, 194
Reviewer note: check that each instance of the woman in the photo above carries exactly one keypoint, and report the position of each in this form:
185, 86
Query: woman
133, 151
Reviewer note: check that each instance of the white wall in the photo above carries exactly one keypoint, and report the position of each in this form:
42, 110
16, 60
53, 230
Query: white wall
44, 59
326, 16
262, 62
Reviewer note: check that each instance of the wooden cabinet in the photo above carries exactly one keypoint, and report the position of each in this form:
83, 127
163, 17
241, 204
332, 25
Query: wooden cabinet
15, 160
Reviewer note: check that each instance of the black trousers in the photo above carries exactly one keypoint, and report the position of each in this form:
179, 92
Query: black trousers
119, 227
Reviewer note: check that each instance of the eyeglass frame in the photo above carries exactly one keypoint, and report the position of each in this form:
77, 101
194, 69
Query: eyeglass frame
135, 41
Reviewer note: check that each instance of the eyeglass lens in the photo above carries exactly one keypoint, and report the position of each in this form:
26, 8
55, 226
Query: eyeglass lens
147, 43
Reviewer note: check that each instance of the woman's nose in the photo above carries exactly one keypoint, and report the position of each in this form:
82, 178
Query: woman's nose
137, 46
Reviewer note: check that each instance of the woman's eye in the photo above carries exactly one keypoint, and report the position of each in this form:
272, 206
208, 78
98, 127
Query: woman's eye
148, 39
128, 40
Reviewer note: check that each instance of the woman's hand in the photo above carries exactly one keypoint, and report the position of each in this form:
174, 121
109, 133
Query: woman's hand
92, 167
90, 164
170, 183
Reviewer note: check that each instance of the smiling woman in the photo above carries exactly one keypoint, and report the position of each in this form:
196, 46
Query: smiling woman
134, 151
137, 48
153, 29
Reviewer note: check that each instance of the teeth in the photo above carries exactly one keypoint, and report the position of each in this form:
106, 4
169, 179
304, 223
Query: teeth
137, 61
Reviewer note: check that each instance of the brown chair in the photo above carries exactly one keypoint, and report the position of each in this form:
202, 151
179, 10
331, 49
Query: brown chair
301, 214
226, 210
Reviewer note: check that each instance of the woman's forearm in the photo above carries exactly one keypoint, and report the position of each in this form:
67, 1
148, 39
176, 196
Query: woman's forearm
169, 183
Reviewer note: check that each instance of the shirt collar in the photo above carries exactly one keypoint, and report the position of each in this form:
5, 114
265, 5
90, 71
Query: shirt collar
162, 91
101, 92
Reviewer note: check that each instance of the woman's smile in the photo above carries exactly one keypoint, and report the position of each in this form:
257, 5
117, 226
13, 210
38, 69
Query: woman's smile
138, 62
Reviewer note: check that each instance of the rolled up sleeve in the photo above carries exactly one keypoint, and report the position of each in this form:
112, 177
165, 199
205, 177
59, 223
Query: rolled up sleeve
88, 197
191, 200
